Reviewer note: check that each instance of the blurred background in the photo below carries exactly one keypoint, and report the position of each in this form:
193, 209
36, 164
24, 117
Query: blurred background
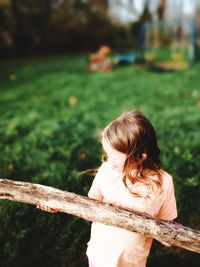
67, 68
79, 26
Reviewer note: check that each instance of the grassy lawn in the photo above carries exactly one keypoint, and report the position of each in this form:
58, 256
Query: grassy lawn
51, 112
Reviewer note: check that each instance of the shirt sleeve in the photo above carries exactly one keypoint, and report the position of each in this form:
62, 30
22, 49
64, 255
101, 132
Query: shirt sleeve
168, 210
95, 189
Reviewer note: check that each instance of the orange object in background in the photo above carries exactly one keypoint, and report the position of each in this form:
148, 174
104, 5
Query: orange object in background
101, 60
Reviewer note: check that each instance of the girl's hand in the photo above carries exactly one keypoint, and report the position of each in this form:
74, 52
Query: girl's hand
46, 208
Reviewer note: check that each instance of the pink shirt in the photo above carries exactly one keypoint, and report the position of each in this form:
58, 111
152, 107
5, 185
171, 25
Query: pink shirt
115, 247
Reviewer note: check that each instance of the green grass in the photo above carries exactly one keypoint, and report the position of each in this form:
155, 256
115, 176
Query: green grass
168, 55
47, 140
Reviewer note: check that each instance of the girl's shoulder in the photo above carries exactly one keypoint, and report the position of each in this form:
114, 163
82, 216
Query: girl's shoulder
108, 168
145, 190
104, 169
167, 179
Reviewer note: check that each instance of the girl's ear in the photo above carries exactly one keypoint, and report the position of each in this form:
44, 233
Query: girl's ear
144, 156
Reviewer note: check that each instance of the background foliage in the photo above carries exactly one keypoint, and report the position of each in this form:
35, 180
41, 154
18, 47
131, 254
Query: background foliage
51, 114
47, 26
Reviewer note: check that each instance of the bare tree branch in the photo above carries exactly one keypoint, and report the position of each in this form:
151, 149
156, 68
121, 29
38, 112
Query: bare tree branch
168, 233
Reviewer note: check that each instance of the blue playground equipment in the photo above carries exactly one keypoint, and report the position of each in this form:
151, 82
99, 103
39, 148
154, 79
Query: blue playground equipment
126, 59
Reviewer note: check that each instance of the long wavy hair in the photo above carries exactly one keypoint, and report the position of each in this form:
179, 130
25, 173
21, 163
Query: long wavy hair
133, 134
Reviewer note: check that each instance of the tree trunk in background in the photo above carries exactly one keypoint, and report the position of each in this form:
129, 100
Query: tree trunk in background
32, 24
47, 19
168, 233
18, 17
161, 10
18, 27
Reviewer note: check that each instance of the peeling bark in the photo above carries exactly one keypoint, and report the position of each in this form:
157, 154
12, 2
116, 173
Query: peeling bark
166, 232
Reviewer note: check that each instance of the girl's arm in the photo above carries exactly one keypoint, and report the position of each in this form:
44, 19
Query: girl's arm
95, 196
95, 189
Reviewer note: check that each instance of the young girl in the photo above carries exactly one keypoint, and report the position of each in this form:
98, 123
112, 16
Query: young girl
130, 177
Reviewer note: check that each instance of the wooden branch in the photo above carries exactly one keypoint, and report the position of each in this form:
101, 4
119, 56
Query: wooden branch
168, 233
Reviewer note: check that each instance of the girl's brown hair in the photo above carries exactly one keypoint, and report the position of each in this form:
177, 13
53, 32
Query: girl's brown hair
133, 134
